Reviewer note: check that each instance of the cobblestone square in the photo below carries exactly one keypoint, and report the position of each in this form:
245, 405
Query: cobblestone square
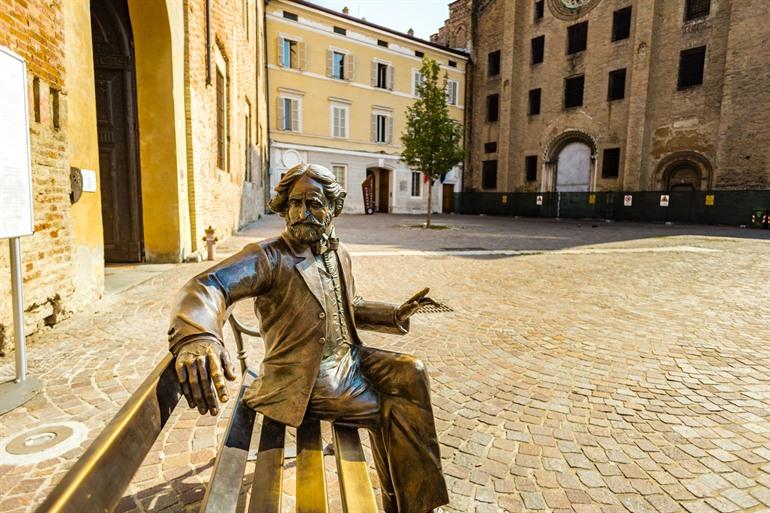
585, 367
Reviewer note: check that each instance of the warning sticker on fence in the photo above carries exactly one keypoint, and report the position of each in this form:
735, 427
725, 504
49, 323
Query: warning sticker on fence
664, 200
628, 200
539, 199
709, 200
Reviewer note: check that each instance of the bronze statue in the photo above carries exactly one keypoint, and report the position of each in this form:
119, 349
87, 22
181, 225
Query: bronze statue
315, 364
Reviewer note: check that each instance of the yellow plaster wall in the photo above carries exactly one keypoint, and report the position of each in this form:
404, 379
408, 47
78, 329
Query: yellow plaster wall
83, 147
159, 48
317, 88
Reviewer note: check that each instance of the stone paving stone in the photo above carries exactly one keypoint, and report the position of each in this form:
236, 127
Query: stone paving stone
588, 376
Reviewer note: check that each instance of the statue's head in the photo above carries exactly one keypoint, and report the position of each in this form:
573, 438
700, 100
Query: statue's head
308, 197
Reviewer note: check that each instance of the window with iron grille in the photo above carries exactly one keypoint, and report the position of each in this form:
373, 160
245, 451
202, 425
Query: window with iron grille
493, 63
489, 174
616, 86
691, 65
538, 49
530, 168
539, 9
611, 163
577, 37
534, 101
493, 107
621, 24
573, 91
695, 9
490, 147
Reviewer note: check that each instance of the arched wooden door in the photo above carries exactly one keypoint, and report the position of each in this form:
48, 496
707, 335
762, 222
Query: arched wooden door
116, 116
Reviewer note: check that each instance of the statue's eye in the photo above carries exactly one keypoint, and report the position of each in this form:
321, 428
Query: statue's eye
294, 202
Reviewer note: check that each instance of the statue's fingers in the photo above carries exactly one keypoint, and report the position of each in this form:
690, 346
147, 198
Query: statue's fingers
419, 295
195, 389
181, 375
206, 387
227, 366
187, 394
217, 376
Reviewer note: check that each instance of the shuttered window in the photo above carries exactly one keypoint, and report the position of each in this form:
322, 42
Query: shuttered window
288, 114
291, 53
451, 92
340, 174
340, 121
382, 129
383, 75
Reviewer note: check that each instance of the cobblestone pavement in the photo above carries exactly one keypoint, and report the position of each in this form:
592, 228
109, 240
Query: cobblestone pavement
601, 368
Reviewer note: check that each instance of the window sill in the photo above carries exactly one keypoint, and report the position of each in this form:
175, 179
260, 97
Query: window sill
685, 89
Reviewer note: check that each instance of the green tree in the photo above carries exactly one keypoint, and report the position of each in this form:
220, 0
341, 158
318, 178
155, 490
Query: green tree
432, 140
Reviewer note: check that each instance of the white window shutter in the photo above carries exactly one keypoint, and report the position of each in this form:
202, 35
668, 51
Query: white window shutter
375, 68
281, 115
350, 67
374, 127
302, 53
389, 130
329, 63
295, 115
391, 77
280, 52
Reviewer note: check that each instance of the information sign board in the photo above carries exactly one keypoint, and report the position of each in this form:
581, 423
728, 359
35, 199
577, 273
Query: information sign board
15, 172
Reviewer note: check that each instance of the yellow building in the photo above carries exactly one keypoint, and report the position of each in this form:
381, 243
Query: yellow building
339, 88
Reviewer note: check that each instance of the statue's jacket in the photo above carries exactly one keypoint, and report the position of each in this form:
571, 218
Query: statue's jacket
289, 302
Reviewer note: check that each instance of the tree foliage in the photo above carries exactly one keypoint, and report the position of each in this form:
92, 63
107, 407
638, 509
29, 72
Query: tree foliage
432, 140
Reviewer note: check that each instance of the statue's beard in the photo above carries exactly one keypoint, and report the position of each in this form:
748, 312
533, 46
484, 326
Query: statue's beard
307, 230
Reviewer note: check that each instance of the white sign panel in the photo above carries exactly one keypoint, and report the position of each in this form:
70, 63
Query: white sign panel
664, 200
15, 173
628, 200
539, 199
89, 180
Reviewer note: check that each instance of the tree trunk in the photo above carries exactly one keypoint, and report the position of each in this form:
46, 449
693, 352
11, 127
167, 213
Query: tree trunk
430, 201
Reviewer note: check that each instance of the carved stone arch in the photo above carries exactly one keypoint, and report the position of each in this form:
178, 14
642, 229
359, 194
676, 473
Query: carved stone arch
684, 170
555, 146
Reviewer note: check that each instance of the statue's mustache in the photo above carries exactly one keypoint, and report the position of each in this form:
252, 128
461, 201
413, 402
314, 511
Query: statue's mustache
307, 221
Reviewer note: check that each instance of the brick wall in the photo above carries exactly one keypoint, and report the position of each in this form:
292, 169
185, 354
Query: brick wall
34, 30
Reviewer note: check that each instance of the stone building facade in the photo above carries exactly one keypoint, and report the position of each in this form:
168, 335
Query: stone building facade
163, 104
616, 95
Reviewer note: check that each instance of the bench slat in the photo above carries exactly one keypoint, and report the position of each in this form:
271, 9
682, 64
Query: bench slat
268, 473
223, 491
311, 480
97, 481
355, 485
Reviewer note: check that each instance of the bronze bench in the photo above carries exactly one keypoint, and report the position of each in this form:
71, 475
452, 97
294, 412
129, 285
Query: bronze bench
98, 480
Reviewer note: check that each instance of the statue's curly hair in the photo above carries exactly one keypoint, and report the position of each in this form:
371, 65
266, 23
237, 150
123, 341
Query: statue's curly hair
332, 189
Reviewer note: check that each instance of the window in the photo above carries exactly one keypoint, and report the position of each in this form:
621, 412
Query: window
451, 92
577, 38
621, 24
382, 43
36, 98
382, 128
419, 54
291, 53
452, 64
539, 10
338, 65
538, 49
695, 9
611, 163
489, 174
247, 142
290, 16
490, 147
573, 91
493, 107
382, 75
339, 121
530, 168
416, 184
245, 17
53, 97
493, 63
340, 30
691, 65
417, 81
534, 101
340, 172
288, 114
616, 86
221, 90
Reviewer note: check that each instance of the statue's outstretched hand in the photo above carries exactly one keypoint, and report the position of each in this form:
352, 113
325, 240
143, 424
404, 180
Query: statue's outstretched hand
202, 366
413, 304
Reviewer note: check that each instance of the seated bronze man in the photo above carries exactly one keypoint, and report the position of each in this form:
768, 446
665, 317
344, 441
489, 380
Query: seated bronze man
315, 364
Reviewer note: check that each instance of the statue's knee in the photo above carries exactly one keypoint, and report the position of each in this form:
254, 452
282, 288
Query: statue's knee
417, 369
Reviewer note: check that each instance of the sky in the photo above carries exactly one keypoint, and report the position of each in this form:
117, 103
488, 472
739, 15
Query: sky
424, 16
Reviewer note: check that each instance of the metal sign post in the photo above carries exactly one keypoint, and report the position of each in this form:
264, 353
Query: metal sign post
15, 210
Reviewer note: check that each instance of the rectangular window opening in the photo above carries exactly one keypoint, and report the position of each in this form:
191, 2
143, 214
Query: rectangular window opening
530, 168
340, 30
691, 67
490, 147
221, 135
489, 174
539, 10
616, 86
493, 63
339, 121
338, 65
53, 95
621, 24
36, 98
493, 108
382, 75
534, 101
451, 92
452, 64
695, 9
538, 49
419, 54
381, 129
416, 184
573, 91
290, 16
382, 43
290, 52
611, 163
340, 173
577, 38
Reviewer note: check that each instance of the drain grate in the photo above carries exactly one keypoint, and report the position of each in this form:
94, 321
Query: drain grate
437, 307
41, 443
